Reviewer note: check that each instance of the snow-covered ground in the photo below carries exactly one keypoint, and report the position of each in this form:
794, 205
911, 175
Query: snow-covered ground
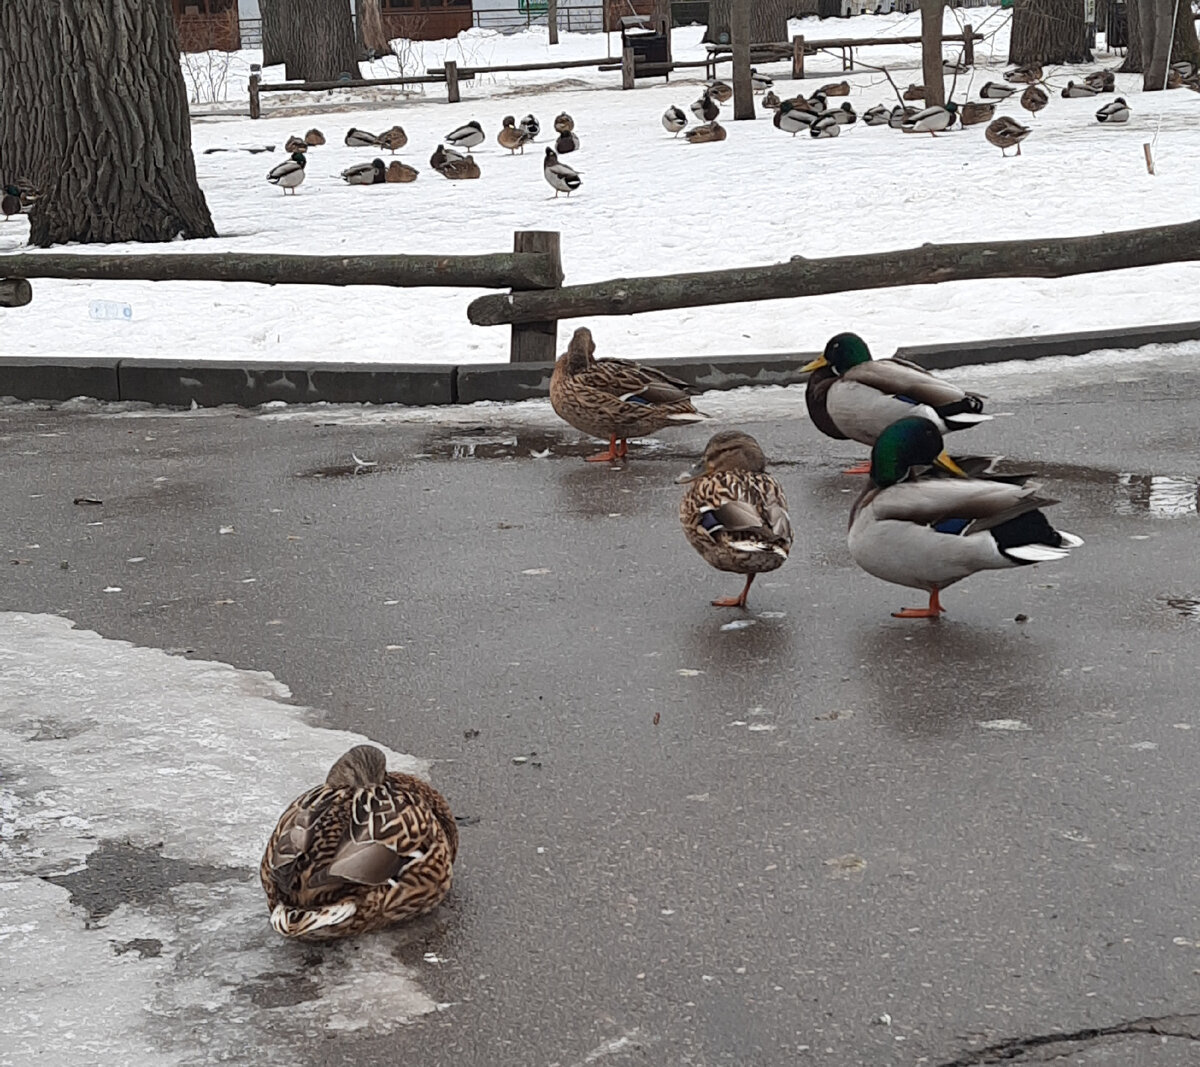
651, 204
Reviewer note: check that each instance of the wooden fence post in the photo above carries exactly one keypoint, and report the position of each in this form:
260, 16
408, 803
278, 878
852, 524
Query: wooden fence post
536, 342
627, 71
15, 292
797, 58
452, 81
969, 45
255, 110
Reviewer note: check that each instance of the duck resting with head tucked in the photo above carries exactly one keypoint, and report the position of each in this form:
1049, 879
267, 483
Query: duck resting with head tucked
850, 395
363, 850
734, 513
615, 398
915, 528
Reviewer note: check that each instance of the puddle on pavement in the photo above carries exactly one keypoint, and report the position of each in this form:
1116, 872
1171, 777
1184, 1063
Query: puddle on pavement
1160, 496
486, 443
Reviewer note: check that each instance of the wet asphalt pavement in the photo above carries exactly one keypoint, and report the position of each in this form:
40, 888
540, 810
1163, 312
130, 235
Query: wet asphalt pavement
829, 836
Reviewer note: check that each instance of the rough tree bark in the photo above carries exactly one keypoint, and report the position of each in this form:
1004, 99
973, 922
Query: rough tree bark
1048, 31
743, 90
768, 19
1156, 20
313, 38
1134, 63
933, 77
368, 23
29, 143
110, 141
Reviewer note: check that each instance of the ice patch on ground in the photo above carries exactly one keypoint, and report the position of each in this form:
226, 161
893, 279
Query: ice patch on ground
190, 761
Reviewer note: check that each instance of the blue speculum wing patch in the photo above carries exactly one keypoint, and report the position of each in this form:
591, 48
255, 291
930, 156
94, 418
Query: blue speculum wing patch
906, 399
709, 521
952, 526
634, 398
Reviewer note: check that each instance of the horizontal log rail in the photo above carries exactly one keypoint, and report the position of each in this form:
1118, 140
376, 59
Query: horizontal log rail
506, 68
499, 270
1055, 257
348, 83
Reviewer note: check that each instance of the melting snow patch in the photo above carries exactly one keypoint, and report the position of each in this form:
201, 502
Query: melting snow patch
1015, 725
180, 759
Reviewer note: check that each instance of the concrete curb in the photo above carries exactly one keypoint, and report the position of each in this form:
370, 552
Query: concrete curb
215, 382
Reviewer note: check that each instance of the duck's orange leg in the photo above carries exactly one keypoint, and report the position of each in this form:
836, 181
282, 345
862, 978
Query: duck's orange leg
735, 601
609, 455
932, 612
859, 468
624, 448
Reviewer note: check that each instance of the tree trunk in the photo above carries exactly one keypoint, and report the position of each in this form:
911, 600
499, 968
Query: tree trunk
932, 75
829, 9
743, 90
314, 38
768, 20
552, 20
372, 37
109, 142
1187, 42
1134, 63
30, 144
1157, 33
1046, 32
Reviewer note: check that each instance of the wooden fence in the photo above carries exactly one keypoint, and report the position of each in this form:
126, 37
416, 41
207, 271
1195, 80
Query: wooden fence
537, 300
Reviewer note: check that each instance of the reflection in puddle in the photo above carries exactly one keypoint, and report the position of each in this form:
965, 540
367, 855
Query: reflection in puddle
1158, 495
1185, 605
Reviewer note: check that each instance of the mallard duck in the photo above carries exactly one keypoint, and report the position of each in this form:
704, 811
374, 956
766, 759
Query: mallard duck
852, 396
1034, 99
932, 120
356, 138
615, 398
825, 127
366, 849
373, 173
462, 168
1103, 81
562, 179
996, 91
734, 513
930, 532
719, 91
976, 111
1116, 111
400, 172
955, 66
443, 155
817, 102
844, 115
1174, 79
466, 136
770, 101
1076, 90
531, 127
841, 88
566, 143
1006, 133
710, 131
1025, 75
792, 118
900, 115
314, 137
705, 109
10, 202
876, 116
288, 174
563, 123
295, 144
512, 137
760, 83
914, 92
674, 120
1183, 67
394, 139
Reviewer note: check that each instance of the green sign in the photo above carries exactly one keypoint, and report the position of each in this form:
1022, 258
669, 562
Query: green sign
533, 7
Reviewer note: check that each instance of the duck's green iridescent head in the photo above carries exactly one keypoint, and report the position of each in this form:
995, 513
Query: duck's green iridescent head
12, 190
842, 351
907, 443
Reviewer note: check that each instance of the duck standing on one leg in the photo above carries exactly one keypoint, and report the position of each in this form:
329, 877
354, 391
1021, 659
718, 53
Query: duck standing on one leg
928, 532
734, 513
615, 398
366, 849
850, 395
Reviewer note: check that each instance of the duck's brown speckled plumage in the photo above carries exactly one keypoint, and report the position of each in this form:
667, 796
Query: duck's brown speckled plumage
734, 513
615, 398
366, 849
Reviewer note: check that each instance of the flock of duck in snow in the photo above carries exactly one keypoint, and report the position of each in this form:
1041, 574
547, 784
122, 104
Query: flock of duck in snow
452, 159
369, 848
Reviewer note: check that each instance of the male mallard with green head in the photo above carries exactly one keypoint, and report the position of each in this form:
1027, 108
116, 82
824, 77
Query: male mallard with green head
925, 532
615, 398
734, 513
366, 849
850, 395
